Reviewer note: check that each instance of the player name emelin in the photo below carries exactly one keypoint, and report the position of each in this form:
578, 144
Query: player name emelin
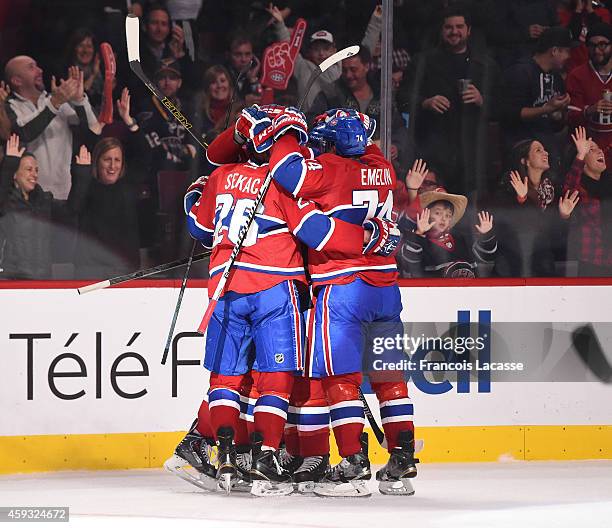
376, 177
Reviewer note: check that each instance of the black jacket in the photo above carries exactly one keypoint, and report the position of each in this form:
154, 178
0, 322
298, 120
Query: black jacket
526, 85
108, 243
27, 226
456, 141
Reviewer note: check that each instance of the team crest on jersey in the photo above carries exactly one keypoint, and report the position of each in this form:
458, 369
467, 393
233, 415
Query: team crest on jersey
279, 358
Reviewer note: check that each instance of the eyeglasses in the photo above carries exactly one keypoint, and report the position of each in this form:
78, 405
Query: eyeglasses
598, 45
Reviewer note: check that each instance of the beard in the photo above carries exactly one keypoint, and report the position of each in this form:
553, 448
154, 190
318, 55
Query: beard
604, 60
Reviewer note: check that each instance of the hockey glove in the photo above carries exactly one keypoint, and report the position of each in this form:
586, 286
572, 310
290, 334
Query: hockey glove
273, 110
194, 192
291, 120
385, 237
254, 125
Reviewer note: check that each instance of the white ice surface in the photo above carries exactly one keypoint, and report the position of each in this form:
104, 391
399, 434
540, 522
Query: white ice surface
512, 495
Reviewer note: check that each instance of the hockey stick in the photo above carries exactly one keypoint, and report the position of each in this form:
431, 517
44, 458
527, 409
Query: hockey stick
132, 36
141, 273
179, 300
378, 432
212, 303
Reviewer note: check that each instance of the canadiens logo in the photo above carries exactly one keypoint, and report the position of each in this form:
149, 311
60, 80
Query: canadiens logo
279, 358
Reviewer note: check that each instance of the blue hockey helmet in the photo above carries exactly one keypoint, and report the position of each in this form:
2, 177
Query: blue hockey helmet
346, 133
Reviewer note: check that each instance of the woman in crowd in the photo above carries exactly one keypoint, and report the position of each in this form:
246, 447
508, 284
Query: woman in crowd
29, 215
215, 100
591, 227
81, 52
532, 227
108, 241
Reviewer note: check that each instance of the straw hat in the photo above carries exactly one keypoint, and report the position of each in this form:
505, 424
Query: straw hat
459, 202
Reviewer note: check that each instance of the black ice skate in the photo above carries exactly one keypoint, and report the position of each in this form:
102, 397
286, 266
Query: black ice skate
394, 477
227, 474
267, 475
288, 461
349, 478
243, 465
194, 460
312, 470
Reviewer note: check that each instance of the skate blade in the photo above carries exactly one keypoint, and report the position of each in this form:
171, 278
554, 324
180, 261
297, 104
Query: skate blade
398, 487
225, 482
355, 488
177, 465
265, 488
305, 488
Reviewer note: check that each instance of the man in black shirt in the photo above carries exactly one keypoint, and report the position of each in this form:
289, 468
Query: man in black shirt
534, 101
449, 93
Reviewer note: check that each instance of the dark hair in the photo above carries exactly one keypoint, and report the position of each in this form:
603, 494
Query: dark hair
76, 37
520, 152
364, 55
444, 203
238, 39
156, 7
103, 146
457, 11
27, 154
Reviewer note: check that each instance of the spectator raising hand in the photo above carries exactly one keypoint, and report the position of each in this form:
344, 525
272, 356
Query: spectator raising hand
567, 203
275, 13
12, 146
423, 223
84, 156
583, 144
485, 222
519, 185
416, 175
123, 109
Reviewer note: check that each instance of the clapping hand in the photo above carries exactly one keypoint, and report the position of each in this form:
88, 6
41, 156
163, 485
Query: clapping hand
567, 203
83, 157
76, 75
485, 222
63, 92
12, 147
520, 186
4, 91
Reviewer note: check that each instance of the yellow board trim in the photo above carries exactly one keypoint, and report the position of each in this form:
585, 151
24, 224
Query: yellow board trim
25, 454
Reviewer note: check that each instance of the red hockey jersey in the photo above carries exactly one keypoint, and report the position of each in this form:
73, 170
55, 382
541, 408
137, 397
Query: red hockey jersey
270, 253
349, 189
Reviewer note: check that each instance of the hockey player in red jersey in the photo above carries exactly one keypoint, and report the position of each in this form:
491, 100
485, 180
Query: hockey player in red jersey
357, 298
258, 321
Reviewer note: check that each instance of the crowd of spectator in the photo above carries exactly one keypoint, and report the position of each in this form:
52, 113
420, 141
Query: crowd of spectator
501, 126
